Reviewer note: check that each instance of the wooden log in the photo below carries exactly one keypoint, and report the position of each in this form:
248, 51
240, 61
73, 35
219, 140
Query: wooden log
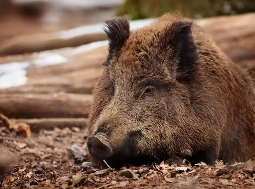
59, 105
50, 123
42, 42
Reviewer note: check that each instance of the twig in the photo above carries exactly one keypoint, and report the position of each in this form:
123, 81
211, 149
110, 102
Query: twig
6, 122
107, 164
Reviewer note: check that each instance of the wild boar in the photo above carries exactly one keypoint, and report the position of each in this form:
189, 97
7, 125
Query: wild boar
167, 90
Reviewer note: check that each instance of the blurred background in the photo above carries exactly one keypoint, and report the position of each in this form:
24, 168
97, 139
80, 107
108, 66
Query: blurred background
51, 51
51, 56
34, 16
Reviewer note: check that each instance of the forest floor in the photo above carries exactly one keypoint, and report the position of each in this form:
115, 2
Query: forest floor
44, 161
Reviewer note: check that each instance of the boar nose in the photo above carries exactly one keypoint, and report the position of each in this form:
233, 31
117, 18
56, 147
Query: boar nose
99, 147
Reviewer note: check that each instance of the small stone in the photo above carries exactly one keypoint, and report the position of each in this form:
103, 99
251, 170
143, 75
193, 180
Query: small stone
127, 173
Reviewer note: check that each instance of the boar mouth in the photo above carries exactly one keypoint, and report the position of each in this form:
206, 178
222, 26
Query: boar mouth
128, 154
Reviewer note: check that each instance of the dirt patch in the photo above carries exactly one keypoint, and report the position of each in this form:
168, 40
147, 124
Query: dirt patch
44, 161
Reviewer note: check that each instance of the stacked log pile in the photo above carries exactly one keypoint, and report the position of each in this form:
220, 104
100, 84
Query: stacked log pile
58, 95
61, 94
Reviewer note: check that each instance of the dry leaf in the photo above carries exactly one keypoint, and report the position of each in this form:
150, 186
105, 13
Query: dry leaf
22, 129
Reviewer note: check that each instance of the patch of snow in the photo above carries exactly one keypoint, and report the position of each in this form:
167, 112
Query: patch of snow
14, 73
48, 59
4, 68
13, 78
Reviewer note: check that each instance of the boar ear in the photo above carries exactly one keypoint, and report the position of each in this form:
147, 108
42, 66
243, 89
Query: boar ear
181, 42
118, 32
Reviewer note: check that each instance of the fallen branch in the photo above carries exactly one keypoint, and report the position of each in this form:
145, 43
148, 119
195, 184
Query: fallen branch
4, 121
50, 123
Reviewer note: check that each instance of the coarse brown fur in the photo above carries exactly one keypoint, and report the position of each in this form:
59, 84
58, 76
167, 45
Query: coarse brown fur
167, 90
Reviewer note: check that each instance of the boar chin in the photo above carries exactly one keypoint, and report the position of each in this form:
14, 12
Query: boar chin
120, 159
129, 154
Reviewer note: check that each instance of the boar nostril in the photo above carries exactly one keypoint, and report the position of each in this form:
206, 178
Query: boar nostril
99, 147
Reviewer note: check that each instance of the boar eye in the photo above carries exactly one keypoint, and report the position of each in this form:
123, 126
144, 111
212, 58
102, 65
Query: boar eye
149, 93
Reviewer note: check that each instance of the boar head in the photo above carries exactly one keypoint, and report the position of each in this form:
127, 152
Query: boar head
152, 101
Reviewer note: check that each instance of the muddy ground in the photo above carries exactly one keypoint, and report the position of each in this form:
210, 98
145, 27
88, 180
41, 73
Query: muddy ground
44, 161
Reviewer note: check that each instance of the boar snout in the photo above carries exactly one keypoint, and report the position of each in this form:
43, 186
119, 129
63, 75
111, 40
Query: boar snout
99, 147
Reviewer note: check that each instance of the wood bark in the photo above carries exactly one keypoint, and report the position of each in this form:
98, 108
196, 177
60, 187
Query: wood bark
45, 106
50, 123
